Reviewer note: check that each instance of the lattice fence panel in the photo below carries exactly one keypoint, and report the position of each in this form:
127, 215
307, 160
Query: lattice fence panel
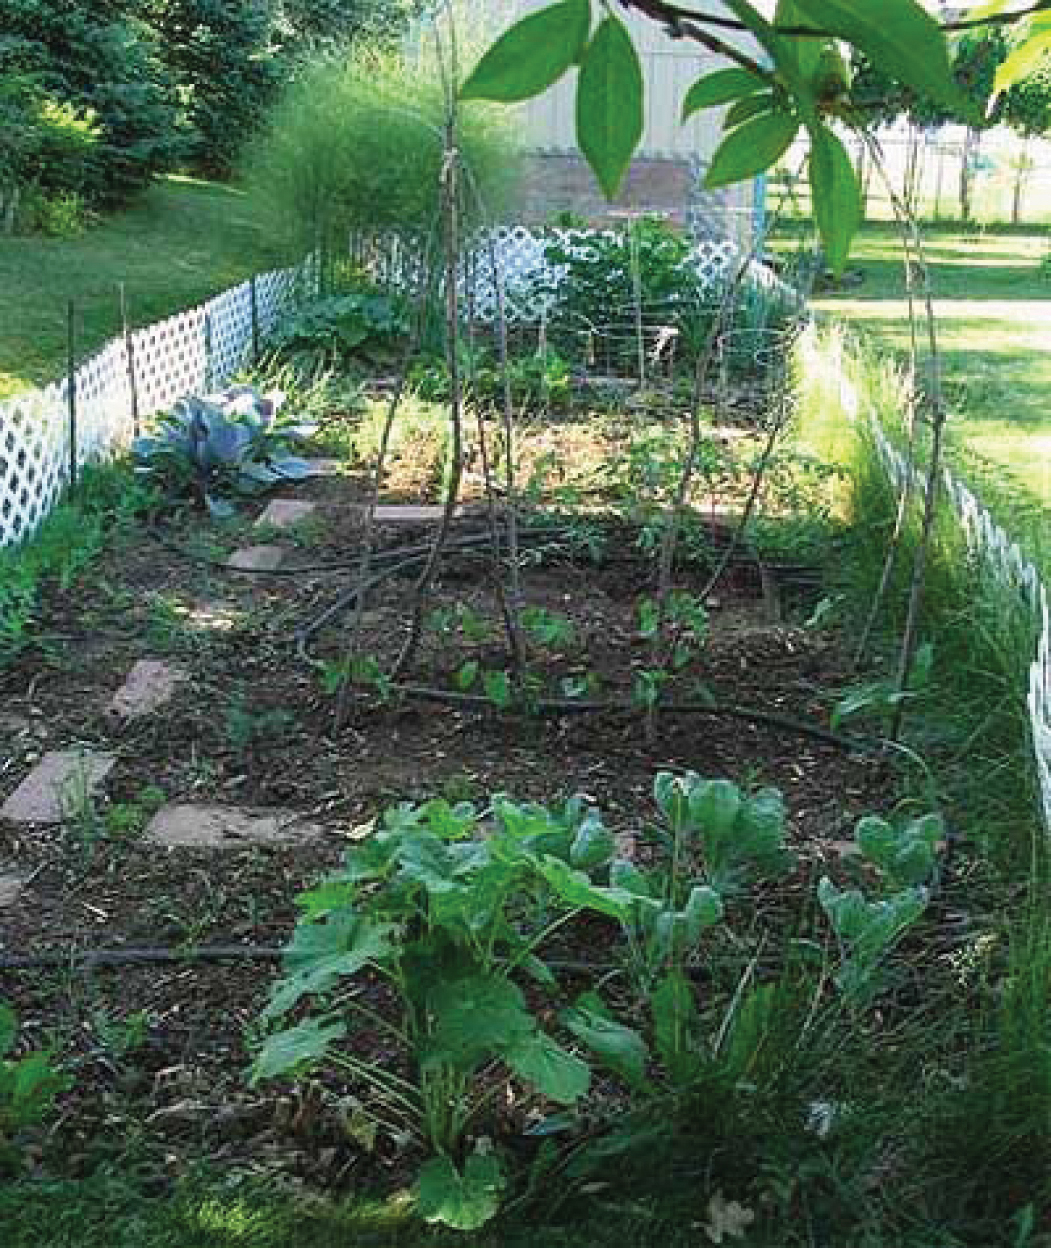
194, 351
528, 276
103, 402
34, 460
228, 324
171, 360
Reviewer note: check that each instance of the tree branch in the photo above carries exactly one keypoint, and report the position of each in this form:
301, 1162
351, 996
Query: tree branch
682, 21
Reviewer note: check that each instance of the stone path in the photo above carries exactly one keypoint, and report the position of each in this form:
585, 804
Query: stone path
183, 824
63, 778
150, 684
60, 778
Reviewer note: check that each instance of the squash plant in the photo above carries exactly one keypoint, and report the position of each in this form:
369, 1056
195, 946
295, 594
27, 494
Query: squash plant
451, 906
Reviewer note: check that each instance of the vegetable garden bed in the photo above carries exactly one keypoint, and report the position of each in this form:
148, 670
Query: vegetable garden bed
160, 1042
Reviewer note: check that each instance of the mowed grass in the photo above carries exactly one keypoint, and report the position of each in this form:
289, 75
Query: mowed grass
181, 243
993, 307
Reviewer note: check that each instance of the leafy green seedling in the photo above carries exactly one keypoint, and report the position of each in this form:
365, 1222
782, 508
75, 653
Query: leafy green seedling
906, 856
548, 629
28, 1088
866, 931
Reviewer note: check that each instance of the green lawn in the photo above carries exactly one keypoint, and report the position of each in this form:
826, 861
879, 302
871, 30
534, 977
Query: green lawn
993, 304
181, 243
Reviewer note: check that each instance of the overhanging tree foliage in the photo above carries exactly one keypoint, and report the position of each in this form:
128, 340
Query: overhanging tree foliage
790, 80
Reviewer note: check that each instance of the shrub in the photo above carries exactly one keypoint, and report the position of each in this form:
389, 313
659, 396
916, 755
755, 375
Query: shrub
46, 153
598, 277
90, 60
228, 67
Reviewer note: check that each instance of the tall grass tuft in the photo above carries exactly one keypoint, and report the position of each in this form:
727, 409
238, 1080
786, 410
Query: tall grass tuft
973, 719
356, 143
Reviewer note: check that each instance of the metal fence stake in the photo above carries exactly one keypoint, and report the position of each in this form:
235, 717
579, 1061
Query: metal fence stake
129, 356
71, 390
208, 351
253, 300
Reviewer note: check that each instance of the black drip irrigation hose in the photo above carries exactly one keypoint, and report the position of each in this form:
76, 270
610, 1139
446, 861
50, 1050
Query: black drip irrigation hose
408, 558
87, 959
556, 708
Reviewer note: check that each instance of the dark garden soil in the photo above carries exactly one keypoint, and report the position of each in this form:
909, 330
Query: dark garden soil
252, 726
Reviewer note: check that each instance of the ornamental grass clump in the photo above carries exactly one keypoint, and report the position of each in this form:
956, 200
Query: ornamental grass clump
356, 143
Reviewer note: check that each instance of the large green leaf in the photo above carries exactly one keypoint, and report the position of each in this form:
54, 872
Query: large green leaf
476, 1017
286, 1051
321, 953
715, 804
869, 927
906, 856
531, 55
676, 1026
1027, 55
8, 1028
463, 1201
559, 1075
751, 106
899, 36
804, 53
609, 103
720, 88
593, 845
626, 876
785, 55
618, 1047
436, 864
835, 194
577, 890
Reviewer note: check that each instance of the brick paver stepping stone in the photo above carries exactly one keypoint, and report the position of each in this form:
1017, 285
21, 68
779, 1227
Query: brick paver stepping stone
62, 777
149, 685
256, 559
283, 513
10, 890
410, 513
14, 725
224, 827
324, 467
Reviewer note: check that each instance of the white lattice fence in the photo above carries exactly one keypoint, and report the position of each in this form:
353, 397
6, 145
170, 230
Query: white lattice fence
190, 352
528, 276
988, 541
34, 457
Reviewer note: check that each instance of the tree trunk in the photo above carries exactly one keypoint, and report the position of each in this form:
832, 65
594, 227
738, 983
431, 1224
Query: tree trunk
1023, 165
970, 150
